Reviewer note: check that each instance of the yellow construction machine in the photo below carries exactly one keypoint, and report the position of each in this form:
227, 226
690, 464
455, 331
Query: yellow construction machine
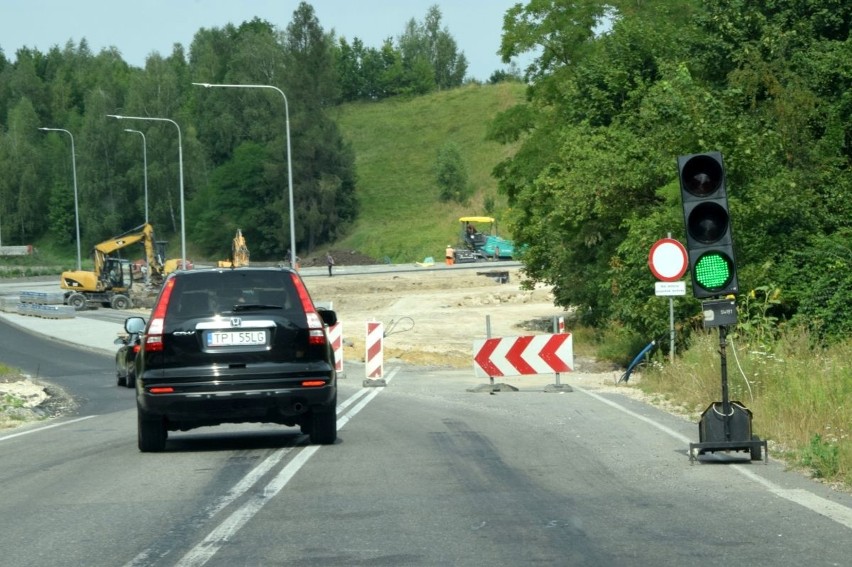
109, 284
239, 253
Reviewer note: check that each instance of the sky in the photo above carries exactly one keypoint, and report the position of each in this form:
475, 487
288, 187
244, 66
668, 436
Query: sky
139, 27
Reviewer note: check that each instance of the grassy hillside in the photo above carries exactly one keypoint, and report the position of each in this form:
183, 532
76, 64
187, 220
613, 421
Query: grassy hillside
396, 144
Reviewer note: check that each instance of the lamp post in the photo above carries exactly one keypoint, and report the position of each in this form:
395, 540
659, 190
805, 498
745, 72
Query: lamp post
145, 177
289, 158
144, 167
180, 167
76, 204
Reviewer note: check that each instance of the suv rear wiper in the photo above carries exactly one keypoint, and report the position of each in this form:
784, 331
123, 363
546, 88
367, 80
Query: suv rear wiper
255, 306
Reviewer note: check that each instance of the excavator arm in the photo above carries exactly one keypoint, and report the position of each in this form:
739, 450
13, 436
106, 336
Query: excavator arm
144, 234
239, 253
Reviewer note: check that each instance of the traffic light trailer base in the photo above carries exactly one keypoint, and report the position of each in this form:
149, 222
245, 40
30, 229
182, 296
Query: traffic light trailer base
726, 425
727, 429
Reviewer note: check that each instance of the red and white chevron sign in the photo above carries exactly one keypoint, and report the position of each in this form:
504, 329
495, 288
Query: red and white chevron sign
514, 356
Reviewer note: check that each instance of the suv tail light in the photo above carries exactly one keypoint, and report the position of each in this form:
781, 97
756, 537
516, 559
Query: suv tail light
154, 333
316, 329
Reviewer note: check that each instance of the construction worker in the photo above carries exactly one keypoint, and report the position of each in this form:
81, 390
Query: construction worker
451, 254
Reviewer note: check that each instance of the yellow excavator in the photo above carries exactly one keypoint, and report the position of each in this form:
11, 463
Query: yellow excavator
109, 284
239, 253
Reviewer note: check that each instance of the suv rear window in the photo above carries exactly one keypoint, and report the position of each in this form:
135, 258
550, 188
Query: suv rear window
216, 292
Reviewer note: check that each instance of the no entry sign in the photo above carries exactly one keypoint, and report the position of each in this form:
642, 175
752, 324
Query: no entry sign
668, 260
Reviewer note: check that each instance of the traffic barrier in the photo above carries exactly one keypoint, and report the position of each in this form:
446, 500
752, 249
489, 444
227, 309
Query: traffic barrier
335, 337
517, 356
374, 363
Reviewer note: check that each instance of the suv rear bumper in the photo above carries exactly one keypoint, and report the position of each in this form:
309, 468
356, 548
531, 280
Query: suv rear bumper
194, 405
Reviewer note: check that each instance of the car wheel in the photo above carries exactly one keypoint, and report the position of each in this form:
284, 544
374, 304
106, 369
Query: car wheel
130, 380
152, 433
323, 426
119, 379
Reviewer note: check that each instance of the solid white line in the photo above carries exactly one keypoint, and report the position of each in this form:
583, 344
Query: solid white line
37, 430
204, 551
831, 510
221, 534
648, 420
345, 403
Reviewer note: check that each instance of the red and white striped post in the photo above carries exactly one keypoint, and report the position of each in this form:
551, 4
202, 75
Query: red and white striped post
374, 364
335, 337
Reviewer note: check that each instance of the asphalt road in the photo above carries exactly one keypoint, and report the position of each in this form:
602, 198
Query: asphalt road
424, 473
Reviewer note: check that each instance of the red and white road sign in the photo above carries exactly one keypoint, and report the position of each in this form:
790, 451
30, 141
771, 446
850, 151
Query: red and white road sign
374, 364
335, 337
516, 356
668, 260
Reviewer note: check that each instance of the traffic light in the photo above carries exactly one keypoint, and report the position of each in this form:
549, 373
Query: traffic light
709, 238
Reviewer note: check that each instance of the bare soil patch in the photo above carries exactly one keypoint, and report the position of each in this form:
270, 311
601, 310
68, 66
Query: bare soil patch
432, 317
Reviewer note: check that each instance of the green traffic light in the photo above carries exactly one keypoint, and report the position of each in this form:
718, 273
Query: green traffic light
712, 271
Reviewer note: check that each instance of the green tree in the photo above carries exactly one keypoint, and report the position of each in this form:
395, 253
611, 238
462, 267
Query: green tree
22, 187
430, 56
324, 171
594, 183
451, 174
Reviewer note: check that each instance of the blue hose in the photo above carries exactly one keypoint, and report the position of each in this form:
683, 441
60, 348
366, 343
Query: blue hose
626, 376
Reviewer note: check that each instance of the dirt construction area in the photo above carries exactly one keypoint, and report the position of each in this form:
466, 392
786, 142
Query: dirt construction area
432, 317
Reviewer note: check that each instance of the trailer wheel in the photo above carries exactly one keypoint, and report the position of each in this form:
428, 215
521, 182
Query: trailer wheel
755, 451
121, 302
77, 301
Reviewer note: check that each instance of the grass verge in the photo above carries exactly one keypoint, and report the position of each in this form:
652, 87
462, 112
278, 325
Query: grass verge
798, 395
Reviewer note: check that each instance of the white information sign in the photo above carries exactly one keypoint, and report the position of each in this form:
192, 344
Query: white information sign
670, 288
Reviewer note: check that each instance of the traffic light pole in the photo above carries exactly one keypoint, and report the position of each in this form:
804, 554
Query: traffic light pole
726, 425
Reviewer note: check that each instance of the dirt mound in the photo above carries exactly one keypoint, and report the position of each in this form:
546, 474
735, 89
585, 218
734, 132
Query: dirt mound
341, 258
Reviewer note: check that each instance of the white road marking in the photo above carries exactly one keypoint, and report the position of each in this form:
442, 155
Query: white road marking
60, 424
221, 534
831, 510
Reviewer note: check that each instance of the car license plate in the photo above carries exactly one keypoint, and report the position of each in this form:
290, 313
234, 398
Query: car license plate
236, 338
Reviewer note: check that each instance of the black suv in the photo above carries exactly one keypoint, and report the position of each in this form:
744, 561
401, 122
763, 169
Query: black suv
235, 345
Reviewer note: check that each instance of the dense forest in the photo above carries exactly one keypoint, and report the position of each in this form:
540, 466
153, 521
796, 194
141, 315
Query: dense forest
615, 92
233, 144
595, 181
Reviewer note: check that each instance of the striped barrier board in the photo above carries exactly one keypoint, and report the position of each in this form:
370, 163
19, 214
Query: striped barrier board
519, 356
335, 337
374, 364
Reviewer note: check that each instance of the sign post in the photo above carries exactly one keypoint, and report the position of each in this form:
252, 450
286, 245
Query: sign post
668, 261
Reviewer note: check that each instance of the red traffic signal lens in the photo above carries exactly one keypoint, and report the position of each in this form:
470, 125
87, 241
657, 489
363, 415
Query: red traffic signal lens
702, 175
707, 223
713, 271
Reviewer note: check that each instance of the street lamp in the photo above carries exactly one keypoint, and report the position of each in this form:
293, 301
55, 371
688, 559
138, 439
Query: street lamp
180, 167
145, 177
76, 205
289, 159
144, 167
